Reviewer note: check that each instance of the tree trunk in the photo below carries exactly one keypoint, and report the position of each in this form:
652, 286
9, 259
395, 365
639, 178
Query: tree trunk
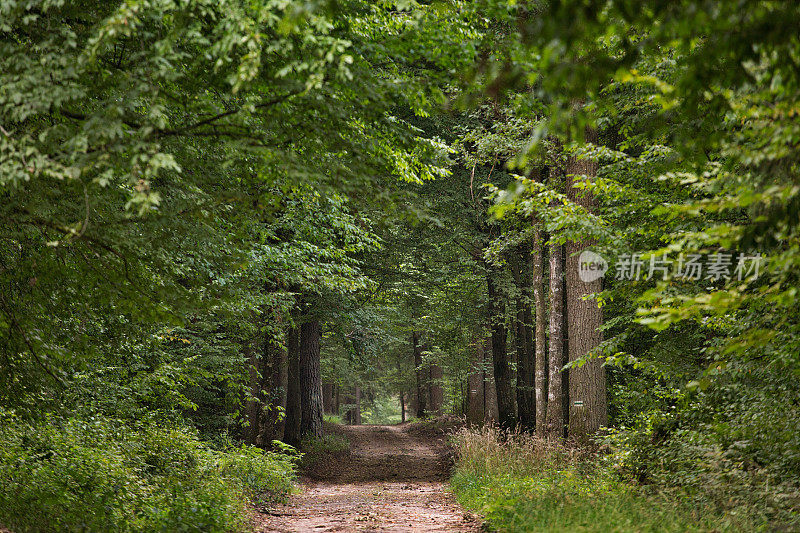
555, 392
274, 380
328, 398
490, 410
476, 412
523, 340
310, 380
502, 372
352, 414
420, 373
291, 432
349, 412
537, 258
587, 384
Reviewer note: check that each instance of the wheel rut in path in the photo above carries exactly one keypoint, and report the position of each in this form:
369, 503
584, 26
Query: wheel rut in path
392, 480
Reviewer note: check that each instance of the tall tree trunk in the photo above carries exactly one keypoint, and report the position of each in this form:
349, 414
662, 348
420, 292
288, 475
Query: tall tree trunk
523, 340
490, 410
538, 258
476, 411
555, 392
291, 432
420, 373
588, 409
310, 380
502, 371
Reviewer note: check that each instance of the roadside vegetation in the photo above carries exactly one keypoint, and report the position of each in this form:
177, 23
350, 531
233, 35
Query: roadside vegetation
520, 482
101, 474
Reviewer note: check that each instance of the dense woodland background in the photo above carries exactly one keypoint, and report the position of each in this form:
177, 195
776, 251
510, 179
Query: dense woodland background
222, 220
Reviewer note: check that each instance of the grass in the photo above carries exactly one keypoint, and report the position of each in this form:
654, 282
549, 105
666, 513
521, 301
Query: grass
522, 483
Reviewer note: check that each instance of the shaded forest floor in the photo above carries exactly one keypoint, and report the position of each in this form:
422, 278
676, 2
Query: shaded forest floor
392, 479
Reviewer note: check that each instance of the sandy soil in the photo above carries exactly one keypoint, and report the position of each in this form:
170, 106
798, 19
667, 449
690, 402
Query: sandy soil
392, 480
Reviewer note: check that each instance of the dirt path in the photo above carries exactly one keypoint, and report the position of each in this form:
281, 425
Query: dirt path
392, 480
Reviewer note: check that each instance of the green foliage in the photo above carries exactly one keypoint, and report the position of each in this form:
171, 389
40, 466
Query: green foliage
101, 474
730, 447
265, 476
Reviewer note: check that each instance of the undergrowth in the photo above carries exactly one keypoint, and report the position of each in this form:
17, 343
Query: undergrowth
100, 474
522, 483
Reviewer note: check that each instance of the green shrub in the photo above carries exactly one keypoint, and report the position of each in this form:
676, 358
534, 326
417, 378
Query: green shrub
741, 456
265, 476
99, 474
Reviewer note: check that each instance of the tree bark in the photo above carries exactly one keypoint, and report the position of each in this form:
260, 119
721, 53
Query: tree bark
310, 380
538, 259
588, 409
490, 410
420, 373
328, 398
476, 409
502, 372
291, 432
555, 392
523, 340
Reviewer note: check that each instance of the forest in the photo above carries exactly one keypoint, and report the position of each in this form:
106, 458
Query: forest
546, 252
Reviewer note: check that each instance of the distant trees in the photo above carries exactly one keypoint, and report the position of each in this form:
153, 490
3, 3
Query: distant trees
421, 396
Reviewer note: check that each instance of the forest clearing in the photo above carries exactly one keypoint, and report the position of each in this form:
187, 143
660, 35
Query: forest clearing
399, 265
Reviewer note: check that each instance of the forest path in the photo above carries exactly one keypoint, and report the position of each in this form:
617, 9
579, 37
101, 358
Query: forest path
392, 480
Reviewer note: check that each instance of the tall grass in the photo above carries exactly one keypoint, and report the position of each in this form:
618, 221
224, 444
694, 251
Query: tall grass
519, 482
